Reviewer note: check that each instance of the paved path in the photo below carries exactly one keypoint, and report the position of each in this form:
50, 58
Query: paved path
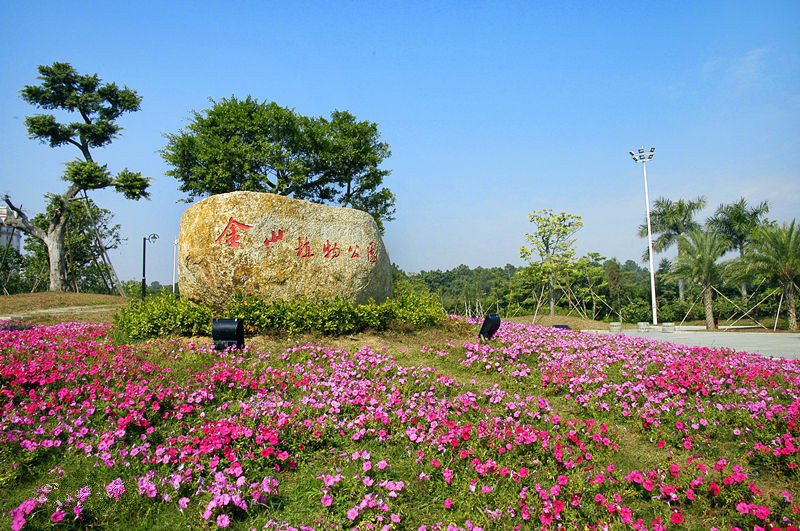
770, 344
68, 309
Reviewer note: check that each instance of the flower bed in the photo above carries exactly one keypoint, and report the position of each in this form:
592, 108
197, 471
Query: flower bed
539, 427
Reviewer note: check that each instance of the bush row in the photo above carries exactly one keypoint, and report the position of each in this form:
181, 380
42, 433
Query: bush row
164, 315
677, 310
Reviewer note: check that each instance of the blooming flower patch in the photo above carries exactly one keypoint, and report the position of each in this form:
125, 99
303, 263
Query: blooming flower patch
564, 430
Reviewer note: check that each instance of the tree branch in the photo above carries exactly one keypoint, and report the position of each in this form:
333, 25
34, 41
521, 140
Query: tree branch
308, 185
22, 222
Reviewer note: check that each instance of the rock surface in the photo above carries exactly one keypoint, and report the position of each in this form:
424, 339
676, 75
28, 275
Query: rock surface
280, 248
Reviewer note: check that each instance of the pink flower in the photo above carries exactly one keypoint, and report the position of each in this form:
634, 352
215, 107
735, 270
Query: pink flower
743, 507
676, 518
448, 503
57, 516
223, 520
352, 514
381, 464
327, 500
448, 475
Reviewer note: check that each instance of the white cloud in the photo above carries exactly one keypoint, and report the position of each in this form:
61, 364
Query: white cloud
748, 70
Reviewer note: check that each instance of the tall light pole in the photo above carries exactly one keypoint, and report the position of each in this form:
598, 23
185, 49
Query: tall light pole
174, 263
152, 238
644, 157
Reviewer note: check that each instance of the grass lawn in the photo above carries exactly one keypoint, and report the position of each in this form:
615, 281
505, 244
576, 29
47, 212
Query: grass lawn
428, 429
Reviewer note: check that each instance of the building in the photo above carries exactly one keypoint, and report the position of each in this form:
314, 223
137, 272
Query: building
7, 234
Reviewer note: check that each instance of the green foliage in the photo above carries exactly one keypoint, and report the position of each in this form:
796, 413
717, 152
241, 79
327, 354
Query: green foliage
87, 175
553, 241
85, 271
553, 238
738, 222
97, 106
677, 310
263, 147
164, 315
775, 253
669, 219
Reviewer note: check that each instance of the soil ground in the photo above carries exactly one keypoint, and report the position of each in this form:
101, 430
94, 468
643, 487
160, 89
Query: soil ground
60, 307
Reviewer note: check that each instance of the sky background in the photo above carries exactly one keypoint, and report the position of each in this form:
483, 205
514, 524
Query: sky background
492, 109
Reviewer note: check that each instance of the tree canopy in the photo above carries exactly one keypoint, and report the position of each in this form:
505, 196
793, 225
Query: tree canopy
244, 144
699, 262
97, 105
552, 241
775, 252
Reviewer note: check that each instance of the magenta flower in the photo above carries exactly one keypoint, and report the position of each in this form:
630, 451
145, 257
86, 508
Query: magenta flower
223, 520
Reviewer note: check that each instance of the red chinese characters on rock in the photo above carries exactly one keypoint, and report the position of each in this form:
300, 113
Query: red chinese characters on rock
331, 252
275, 238
232, 235
304, 249
372, 253
231, 232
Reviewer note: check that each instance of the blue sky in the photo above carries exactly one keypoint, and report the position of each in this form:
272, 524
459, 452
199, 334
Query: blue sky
491, 109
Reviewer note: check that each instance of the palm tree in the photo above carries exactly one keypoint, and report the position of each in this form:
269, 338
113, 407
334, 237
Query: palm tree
738, 222
670, 220
775, 252
700, 251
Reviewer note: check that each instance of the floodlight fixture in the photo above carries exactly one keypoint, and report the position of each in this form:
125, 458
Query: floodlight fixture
227, 333
489, 327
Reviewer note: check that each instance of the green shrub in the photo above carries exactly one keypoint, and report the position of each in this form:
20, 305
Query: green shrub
164, 315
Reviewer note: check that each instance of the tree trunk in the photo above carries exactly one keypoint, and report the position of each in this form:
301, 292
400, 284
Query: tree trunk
788, 290
551, 292
681, 282
55, 252
709, 309
744, 284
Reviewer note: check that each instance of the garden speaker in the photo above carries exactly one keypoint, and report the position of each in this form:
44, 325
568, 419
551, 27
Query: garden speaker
227, 333
562, 327
490, 326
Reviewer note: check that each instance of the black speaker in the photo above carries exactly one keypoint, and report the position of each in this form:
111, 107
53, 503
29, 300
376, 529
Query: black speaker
227, 333
489, 326
563, 327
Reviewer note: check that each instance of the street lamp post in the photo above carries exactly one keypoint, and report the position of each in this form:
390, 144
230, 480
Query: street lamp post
644, 157
152, 238
174, 263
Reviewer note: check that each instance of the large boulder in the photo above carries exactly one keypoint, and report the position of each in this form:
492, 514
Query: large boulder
279, 248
